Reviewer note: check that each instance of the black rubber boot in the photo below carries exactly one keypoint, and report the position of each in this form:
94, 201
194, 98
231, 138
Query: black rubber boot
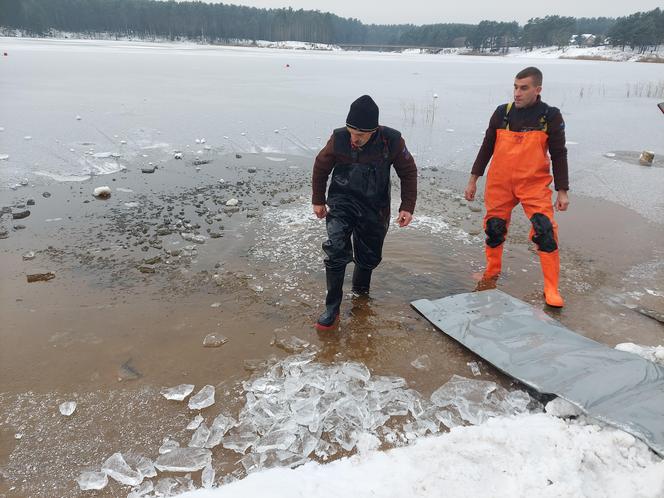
361, 281
335, 293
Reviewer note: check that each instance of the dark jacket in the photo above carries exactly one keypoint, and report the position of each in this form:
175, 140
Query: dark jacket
386, 147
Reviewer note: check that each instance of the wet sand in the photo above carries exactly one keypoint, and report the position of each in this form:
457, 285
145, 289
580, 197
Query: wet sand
106, 334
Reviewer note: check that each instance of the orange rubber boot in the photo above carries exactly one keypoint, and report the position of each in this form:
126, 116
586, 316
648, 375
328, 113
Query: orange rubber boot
494, 261
550, 262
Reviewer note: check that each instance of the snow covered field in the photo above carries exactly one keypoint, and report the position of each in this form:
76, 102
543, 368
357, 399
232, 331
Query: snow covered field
600, 53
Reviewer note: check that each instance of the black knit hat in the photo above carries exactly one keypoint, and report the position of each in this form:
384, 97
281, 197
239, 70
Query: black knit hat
363, 114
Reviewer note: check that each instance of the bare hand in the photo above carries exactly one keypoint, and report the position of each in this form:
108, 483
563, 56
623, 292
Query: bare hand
404, 218
471, 189
320, 210
562, 200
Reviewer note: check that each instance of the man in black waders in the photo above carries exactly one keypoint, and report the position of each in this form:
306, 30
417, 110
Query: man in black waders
359, 157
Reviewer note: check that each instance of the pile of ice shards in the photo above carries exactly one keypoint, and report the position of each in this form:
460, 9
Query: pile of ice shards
300, 409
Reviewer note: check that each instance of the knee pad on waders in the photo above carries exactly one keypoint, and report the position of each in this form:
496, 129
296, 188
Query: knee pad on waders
496, 229
544, 236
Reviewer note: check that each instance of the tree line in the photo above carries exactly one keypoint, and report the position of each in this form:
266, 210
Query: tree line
642, 31
221, 23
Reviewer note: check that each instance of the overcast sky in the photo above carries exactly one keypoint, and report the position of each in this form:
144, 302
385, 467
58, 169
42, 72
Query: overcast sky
468, 11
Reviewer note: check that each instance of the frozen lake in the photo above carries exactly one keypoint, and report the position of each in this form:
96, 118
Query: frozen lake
74, 108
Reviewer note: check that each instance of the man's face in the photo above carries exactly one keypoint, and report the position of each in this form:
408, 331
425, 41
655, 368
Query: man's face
359, 138
525, 92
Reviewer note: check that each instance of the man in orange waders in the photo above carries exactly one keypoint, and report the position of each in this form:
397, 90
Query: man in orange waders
518, 137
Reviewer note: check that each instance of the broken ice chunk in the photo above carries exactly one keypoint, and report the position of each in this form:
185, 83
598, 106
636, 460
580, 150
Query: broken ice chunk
167, 445
116, 467
240, 438
207, 477
277, 440
184, 460
304, 444
145, 488
422, 362
214, 340
200, 437
449, 419
460, 388
141, 464
518, 400
384, 383
356, 371
92, 480
476, 400
560, 407
67, 408
193, 425
177, 393
220, 426
291, 344
202, 399
474, 367
165, 486
251, 463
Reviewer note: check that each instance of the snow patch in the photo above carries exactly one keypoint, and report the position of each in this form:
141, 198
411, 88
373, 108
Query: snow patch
527, 455
651, 353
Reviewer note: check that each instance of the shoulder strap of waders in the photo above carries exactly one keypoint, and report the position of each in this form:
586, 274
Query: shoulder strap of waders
506, 116
544, 122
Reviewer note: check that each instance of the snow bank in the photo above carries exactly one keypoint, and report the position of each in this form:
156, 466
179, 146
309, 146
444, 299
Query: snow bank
529, 455
597, 53
652, 353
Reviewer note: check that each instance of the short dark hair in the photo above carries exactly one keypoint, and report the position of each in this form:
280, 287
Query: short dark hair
533, 72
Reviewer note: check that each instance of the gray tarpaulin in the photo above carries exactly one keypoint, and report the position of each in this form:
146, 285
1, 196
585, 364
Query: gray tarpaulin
619, 388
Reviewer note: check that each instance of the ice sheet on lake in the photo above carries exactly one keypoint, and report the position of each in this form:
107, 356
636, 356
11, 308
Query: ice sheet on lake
616, 387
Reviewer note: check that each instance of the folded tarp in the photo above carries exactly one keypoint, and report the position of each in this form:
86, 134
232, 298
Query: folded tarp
619, 388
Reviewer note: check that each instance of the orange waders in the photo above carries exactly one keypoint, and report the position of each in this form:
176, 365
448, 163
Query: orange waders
520, 172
